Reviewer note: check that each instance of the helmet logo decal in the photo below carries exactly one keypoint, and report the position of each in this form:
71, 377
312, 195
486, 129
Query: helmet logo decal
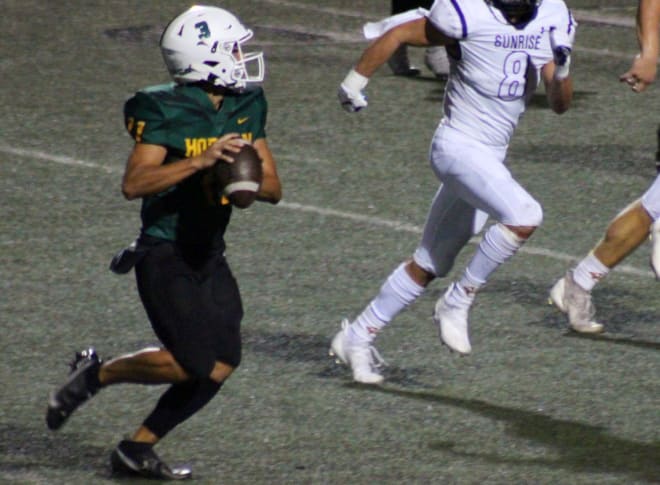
204, 32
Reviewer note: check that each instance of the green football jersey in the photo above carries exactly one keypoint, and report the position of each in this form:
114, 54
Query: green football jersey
182, 119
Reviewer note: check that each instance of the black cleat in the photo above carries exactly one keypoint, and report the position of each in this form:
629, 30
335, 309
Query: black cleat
138, 459
82, 383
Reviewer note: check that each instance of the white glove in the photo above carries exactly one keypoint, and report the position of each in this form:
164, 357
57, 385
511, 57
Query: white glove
350, 93
561, 45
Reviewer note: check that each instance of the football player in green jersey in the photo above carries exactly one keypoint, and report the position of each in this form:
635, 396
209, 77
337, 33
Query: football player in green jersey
185, 284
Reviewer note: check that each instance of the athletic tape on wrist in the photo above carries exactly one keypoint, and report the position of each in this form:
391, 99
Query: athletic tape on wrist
562, 72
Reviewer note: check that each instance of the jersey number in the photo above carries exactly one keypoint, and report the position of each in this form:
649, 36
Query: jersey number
514, 83
135, 129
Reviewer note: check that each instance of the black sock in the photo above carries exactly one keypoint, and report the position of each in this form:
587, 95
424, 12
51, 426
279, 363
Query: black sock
134, 447
178, 403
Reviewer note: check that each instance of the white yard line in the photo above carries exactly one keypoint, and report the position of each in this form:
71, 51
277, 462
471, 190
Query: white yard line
310, 209
47, 157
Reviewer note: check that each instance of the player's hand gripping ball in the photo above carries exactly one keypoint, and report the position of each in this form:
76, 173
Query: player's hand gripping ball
240, 181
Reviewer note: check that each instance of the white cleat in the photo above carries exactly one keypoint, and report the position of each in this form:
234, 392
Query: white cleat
452, 322
575, 301
655, 249
363, 359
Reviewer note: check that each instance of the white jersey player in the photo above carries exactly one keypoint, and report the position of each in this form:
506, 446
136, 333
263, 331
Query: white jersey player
630, 228
499, 51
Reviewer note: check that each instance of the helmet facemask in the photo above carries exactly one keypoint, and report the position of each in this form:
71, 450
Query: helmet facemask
230, 67
517, 12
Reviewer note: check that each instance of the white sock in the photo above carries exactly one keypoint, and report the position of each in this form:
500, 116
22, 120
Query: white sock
589, 271
469, 284
498, 245
398, 291
460, 296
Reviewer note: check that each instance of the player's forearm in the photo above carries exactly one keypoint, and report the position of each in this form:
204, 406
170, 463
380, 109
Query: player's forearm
648, 25
560, 94
271, 187
381, 49
377, 54
270, 190
149, 179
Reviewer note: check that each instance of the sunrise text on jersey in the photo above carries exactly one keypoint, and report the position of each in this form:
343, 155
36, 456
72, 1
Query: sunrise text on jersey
518, 41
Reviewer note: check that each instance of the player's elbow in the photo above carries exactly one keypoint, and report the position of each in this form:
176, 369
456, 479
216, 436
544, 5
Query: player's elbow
560, 95
560, 108
271, 191
129, 195
129, 191
273, 197
560, 102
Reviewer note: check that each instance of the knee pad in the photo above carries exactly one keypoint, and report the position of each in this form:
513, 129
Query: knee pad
529, 214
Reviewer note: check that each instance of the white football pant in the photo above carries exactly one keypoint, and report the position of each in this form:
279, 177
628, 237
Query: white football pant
474, 182
651, 199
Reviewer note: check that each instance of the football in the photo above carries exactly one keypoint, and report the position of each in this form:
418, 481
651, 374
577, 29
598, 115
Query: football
240, 181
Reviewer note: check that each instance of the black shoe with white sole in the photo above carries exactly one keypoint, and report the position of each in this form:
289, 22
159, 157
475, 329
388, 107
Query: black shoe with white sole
82, 383
133, 458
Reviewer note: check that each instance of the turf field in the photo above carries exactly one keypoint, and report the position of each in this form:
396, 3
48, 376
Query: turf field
533, 404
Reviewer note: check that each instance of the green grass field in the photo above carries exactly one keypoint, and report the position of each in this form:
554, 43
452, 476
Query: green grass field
533, 404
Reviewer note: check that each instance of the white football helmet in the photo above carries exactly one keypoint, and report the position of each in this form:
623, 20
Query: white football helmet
204, 44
